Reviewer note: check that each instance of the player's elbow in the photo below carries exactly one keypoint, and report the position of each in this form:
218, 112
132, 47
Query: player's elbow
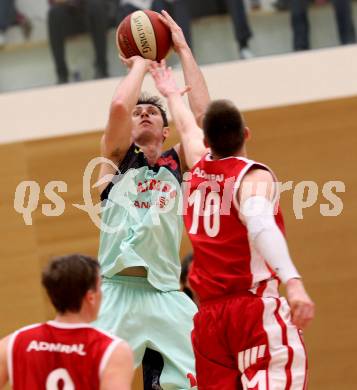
199, 118
119, 108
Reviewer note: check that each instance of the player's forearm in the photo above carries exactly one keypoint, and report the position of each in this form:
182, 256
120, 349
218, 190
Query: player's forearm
129, 89
190, 134
267, 238
118, 131
198, 96
181, 115
271, 244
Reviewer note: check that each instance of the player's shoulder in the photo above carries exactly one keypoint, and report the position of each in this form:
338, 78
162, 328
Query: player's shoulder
170, 155
259, 174
4, 344
256, 171
121, 352
21, 336
115, 354
122, 347
28, 329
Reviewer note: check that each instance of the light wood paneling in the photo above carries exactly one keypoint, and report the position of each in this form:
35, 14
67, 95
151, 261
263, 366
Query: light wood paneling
20, 291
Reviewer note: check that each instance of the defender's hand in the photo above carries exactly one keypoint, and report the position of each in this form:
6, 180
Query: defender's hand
178, 39
165, 80
302, 307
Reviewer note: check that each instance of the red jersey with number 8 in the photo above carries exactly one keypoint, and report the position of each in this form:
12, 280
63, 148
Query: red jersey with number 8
224, 261
56, 356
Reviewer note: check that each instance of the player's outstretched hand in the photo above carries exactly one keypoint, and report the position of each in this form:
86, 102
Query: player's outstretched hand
129, 62
178, 39
302, 307
165, 80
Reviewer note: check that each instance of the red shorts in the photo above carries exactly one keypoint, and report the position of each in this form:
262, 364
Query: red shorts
248, 342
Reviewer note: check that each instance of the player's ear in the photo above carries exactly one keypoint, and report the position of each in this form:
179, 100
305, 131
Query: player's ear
247, 133
90, 297
165, 132
205, 142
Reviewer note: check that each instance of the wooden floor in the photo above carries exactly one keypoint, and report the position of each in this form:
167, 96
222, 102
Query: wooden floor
310, 142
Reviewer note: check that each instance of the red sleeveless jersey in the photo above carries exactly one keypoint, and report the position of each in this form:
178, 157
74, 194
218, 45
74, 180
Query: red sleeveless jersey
56, 356
224, 261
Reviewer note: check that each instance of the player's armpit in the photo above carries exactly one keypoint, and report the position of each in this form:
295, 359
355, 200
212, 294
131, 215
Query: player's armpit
108, 166
119, 372
3, 362
115, 154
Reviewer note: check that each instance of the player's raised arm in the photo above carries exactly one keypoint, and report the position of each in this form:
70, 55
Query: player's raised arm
256, 197
3, 362
117, 135
191, 135
199, 96
119, 372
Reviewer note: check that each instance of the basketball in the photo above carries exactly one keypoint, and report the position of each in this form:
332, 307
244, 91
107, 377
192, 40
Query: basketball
142, 33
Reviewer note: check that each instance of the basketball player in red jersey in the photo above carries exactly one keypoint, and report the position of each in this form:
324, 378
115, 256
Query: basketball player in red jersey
245, 335
67, 353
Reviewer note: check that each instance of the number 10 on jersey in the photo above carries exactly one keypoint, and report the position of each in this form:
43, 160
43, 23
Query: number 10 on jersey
208, 208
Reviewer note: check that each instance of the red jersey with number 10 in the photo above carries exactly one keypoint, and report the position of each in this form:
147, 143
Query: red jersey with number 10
224, 261
56, 355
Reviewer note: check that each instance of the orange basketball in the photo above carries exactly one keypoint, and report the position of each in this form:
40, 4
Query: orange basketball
143, 33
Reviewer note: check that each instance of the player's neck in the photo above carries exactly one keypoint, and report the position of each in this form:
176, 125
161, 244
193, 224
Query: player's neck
152, 150
73, 318
241, 153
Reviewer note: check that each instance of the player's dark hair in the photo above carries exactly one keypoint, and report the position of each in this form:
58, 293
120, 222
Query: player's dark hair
154, 101
223, 127
67, 280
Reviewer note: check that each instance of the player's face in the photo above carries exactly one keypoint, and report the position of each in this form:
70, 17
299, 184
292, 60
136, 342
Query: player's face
147, 123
